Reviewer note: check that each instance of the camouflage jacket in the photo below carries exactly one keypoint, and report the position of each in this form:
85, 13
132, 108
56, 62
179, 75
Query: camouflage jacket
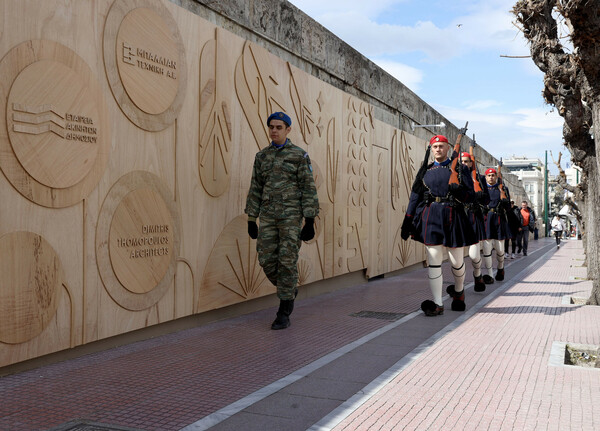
282, 184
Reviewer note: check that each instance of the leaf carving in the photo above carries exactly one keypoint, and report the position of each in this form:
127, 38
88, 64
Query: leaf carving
214, 152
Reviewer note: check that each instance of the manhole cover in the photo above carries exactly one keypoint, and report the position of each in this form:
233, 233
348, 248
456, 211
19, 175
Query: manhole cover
379, 315
90, 426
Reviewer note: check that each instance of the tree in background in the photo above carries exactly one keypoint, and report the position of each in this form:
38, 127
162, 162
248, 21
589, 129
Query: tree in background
575, 190
572, 86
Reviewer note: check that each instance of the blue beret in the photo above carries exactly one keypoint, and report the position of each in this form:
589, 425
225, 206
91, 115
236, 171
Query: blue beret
280, 116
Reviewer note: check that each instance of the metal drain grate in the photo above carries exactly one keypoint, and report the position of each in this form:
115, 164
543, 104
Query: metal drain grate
379, 315
90, 426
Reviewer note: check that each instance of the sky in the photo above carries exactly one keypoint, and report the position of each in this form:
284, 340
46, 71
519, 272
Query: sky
450, 54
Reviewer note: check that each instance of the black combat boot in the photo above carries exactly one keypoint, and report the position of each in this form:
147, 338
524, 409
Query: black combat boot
286, 306
488, 279
479, 284
500, 274
458, 299
430, 308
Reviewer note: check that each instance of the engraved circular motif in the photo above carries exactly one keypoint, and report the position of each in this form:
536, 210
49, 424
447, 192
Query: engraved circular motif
148, 66
233, 273
30, 279
141, 240
145, 62
55, 142
54, 126
137, 240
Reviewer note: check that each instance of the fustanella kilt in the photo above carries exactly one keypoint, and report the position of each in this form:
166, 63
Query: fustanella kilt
443, 223
496, 226
478, 222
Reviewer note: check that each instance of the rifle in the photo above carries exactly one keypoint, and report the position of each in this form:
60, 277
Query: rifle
501, 183
454, 176
474, 172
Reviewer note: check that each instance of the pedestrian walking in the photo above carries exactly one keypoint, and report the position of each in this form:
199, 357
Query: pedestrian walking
558, 226
526, 225
436, 217
496, 225
282, 193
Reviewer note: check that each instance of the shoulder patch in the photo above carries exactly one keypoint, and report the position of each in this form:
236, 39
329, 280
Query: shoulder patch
308, 161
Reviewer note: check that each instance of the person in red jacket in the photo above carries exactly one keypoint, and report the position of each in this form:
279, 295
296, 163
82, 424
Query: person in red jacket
527, 223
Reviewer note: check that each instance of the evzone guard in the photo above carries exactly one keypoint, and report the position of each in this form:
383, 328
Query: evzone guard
436, 217
475, 213
496, 225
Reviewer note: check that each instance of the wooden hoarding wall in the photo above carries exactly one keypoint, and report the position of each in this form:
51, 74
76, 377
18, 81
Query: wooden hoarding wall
128, 133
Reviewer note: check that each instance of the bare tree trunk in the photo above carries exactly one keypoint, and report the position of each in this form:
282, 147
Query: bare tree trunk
572, 85
593, 246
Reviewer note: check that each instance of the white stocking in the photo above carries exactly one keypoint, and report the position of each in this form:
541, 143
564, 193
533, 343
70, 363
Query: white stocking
457, 260
487, 256
434, 257
499, 243
475, 255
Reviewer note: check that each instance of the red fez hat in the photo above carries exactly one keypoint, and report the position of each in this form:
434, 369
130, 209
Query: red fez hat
438, 138
465, 154
490, 171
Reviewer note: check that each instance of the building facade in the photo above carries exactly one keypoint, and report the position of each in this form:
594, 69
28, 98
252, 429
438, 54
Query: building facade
530, 171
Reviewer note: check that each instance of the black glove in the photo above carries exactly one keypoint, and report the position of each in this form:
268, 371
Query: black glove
406, 228
456, 190
308, 231
252, 229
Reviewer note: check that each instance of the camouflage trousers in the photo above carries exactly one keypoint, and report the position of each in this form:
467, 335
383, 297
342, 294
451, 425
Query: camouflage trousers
277, 246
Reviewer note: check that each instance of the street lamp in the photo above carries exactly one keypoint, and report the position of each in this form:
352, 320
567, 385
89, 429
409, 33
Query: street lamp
546, 195
413, 126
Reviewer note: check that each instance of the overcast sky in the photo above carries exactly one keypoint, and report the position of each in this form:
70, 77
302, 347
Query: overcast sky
449, 54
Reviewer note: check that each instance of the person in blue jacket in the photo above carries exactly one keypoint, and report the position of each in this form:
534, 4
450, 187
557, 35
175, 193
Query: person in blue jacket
436, 217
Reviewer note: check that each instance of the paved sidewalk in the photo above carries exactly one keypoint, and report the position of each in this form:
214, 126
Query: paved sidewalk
487, 368
501, 368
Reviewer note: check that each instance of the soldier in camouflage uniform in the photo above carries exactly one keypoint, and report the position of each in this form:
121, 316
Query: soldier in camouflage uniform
282, 192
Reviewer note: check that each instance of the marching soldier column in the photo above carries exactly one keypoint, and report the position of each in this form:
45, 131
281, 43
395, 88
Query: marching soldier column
436, 217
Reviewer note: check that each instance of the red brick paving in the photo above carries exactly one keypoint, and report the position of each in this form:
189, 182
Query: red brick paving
196, 371
492, 372
489, 373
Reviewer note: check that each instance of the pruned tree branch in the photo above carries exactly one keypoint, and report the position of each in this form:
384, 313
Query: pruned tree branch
562, 176
565, 84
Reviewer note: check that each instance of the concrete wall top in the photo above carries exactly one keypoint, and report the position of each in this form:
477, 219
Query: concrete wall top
292, 35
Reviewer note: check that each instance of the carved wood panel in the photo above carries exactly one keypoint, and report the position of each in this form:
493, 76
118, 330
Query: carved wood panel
156, 231
407, 154
232, 271
145, 62
54, 127
137, 240
358, 127
31, 279
259, 90
215, 146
